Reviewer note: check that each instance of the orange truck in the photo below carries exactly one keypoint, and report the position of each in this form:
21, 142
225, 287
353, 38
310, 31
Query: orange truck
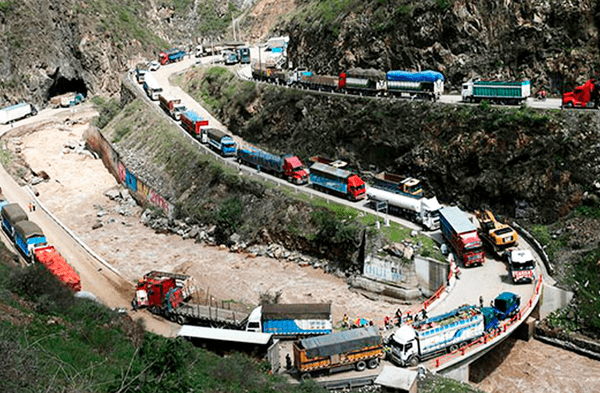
355, 348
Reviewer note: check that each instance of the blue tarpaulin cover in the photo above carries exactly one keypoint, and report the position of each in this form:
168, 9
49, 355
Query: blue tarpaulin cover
407, 76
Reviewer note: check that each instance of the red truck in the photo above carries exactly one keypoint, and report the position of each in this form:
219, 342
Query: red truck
462, 236
193, 123
584, 96
163, 291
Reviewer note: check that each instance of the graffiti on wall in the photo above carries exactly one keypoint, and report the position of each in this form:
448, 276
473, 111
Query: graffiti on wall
382, 269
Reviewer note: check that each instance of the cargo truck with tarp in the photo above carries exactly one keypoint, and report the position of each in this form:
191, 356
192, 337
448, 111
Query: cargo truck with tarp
286, 166
221, 142
291, 320
423, 84
328, 178
354, 348
193, 123
57, 266
27, 236
496, 92
11, 215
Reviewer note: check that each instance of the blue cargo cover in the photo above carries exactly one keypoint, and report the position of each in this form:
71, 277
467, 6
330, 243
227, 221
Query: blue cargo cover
193, 116
457, 219
329, 177
407, 76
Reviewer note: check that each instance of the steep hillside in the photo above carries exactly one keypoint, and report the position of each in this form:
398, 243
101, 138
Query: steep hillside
50, 47
554, 43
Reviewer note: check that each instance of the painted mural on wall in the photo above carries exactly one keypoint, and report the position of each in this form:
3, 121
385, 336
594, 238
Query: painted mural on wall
110, 157
382, 269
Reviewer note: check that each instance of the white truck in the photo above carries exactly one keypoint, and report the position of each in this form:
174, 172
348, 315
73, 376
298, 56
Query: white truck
16, 112
522, 265
413, 343
424, 211
151, 86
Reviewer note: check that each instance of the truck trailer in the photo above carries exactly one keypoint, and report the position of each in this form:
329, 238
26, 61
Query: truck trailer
16, 112
354, 348
286, 166
291, 320
57, 266
11, 215
151, 87
172, 106
221, 142
261, 72
301, 77
423, 84
171, 56
331, 179
27, 236
498, 92
424, 211
425, 339
462, 235
193, 123
361, 81
408, 186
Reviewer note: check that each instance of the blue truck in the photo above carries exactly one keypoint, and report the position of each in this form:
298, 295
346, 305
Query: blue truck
11, 215
291, 320
423, 84
28, 236
221, 142
286, 166
171, 56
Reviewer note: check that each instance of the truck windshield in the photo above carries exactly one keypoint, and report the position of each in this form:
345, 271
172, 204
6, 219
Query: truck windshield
298, 168
416, 189
523, 266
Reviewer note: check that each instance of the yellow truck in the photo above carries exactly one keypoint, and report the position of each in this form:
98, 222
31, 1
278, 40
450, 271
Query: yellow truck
355, 348
499, 236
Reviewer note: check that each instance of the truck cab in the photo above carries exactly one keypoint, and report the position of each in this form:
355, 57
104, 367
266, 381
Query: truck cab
294, 170
254, 322
522, 265
506, 305
357, 189
584, 96
405, 347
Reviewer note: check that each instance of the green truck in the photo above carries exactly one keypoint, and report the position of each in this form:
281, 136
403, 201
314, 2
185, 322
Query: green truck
496, 92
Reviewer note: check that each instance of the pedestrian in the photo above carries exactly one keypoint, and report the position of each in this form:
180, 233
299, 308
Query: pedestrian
345, 321
30, 207
457, 272
288, 362
387, 322
398, 317
33, 205
480, 301
424, 314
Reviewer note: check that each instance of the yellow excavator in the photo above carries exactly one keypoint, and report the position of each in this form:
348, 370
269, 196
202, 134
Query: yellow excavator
498, 235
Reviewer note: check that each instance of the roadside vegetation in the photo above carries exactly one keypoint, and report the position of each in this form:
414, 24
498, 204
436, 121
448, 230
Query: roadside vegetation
54, 342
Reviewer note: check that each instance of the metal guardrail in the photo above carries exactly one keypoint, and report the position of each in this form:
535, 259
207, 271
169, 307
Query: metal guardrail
538, 247
509, 326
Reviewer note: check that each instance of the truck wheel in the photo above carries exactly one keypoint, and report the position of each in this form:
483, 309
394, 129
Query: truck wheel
453, 348
413, 361
569, 105
181, 320
373, 363
305, 376
360, 366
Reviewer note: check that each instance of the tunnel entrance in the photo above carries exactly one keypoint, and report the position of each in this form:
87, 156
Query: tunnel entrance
63, 85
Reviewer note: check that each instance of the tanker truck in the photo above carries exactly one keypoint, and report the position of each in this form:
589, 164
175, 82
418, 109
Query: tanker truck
424, 211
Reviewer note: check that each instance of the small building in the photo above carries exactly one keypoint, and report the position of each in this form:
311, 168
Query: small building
397, 380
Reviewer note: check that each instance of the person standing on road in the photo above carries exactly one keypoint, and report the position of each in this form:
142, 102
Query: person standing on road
480, 301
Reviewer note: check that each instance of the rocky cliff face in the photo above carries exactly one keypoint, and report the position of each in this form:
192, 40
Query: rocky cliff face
553, 43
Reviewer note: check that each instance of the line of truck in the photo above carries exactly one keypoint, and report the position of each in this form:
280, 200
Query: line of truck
30, 241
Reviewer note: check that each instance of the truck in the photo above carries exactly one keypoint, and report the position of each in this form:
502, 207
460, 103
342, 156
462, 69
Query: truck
261, 72
497, 92
506, 305
361, 81
521, 265
244, 55
27, 236
462, 236
16, 112
423, 84
427, 338
302, 77
221, 142
151, 87
499, 236
424, 211
171, 56
328, 178
193, 123
355, 348
169, 294
172, 106
584, 96
140, 75
230, 57
291, 320
408, 186
286, 166
11, 215
51, 259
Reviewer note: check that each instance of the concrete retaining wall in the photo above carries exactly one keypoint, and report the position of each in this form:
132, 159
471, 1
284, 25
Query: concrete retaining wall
431, 274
